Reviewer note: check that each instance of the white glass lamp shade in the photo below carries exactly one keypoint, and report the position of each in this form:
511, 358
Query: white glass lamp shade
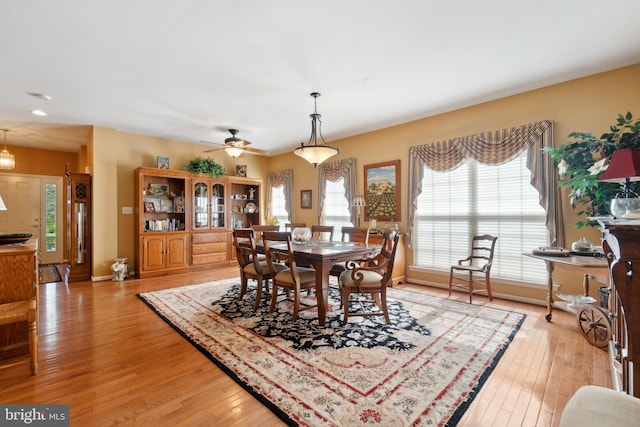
233, 151
3, 207
315, 154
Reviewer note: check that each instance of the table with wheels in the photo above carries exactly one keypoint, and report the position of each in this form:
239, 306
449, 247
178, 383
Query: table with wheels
593, 321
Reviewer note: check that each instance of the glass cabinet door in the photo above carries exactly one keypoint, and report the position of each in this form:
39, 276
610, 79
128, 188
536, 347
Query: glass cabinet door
217, 206
200, 205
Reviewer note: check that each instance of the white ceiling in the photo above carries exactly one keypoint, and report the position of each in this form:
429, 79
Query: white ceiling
189, 69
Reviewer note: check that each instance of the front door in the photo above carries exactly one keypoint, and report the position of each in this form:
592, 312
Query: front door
25, 198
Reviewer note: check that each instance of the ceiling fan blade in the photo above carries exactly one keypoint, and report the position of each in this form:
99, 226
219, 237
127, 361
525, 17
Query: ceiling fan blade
256, 151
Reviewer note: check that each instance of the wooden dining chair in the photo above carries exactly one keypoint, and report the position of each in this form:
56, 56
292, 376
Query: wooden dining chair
293, 278
320, 231
292, 225
350, 234
370, 279
24, 311
251, 266
260, 228
474, 272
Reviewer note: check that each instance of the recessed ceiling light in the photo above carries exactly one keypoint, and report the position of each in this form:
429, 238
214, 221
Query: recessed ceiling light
38, 113
41, 96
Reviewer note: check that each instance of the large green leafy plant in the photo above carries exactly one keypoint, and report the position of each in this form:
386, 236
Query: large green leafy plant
582, 160
206, 166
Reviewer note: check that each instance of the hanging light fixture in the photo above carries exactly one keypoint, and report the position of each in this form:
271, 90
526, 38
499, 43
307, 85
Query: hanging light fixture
7, 160
317, 150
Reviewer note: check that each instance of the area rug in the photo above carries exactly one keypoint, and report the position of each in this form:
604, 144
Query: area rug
424, 369
49, 273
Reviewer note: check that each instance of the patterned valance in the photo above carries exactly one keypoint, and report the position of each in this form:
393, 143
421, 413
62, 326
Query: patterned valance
495, 147
333, 171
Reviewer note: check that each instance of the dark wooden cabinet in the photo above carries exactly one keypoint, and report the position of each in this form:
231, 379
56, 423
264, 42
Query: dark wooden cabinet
621, 242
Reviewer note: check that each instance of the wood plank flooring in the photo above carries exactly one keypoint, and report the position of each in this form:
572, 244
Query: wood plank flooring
116, 362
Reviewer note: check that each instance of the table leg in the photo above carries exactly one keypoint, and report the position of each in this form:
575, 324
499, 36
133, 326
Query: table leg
585, 285
322, 290
549, 290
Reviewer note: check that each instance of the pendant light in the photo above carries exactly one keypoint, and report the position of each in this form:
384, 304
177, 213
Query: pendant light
7, 160
317, 150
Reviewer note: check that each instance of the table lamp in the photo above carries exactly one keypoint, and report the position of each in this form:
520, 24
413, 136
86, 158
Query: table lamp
358, 202
624, 168
3, 207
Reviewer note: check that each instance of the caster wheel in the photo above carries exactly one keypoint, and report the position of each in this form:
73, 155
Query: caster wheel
594, 324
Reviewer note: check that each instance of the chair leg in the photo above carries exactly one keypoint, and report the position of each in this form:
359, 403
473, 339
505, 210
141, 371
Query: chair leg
296, 304
470, 287
259, 284
345, 303
33, 341
274, 297
488, 283
450, 281
243, 287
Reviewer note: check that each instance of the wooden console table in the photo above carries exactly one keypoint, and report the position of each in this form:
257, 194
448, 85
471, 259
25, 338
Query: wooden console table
621, 243
18, 282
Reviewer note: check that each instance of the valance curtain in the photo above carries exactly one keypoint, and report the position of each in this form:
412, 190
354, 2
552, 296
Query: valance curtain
277, 179
334, 171
495, 147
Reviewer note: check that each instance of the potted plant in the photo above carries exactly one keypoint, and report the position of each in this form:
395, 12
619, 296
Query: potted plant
205, 166
581, 161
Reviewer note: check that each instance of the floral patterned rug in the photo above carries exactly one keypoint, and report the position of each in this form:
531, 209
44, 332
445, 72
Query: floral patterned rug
423, 369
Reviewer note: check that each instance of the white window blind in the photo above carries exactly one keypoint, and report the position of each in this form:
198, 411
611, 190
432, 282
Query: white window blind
481, 199
278, 207
336, 207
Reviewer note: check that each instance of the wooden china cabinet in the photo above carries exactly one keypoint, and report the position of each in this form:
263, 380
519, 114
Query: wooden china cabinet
184, 220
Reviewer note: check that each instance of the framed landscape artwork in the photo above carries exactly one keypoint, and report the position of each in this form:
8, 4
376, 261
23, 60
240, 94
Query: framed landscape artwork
382, 191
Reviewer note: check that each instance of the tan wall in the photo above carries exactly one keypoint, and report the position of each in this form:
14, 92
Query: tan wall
589, 104
115, 157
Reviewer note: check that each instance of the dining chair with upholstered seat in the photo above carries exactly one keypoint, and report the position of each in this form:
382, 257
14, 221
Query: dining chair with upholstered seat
370, 277
251, 266
293, 278
350, 234
24, 311
474, 272
321, 231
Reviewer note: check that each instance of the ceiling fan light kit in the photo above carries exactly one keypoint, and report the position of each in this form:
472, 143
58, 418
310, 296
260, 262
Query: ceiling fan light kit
317, 150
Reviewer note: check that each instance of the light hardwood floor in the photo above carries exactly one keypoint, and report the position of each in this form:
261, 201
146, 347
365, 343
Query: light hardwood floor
115, 361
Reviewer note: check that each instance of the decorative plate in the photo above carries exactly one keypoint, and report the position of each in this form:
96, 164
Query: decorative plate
250, 208
7, 239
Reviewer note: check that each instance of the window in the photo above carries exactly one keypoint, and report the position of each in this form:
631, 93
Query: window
481, 199
278, 210
336, 207
51, 222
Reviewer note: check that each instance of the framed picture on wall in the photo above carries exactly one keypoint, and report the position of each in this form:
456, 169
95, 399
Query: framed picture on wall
305, 199
382, 191
163, 162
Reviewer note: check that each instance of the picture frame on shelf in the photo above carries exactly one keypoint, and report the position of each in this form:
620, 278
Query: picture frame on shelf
241, 171
162, 162
158, 190
305, 199
149, 207
382, 191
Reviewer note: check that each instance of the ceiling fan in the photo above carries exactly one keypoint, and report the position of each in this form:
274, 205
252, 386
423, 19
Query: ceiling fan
235, 147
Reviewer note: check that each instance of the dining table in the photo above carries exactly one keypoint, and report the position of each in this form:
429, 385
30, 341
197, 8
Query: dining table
322, 255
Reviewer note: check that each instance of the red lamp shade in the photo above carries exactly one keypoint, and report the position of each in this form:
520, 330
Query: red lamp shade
624, 165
